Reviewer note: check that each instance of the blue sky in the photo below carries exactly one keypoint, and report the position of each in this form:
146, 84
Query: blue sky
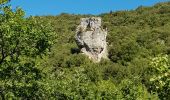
55, 7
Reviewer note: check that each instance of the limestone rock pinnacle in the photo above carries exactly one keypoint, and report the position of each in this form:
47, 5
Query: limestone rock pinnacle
91, 38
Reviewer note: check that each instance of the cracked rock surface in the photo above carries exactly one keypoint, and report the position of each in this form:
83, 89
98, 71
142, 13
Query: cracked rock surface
91, 38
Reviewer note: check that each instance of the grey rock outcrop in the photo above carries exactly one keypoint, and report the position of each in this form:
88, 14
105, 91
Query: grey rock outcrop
91, 38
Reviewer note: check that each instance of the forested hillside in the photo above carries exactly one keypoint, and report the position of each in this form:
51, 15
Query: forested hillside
46, 64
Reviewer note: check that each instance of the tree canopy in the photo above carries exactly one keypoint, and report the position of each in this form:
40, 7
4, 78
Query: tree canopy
39, 58
4, 1
22, 41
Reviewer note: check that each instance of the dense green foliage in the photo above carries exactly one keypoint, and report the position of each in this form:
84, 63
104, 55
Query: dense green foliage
138, 66
4, 1
160, 80
22, 41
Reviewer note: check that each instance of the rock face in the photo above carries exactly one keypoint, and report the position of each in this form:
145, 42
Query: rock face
91, 38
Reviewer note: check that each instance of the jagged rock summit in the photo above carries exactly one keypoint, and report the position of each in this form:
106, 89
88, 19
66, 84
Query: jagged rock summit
91, 38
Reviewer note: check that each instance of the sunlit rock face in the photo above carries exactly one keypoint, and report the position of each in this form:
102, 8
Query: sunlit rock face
91, 38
